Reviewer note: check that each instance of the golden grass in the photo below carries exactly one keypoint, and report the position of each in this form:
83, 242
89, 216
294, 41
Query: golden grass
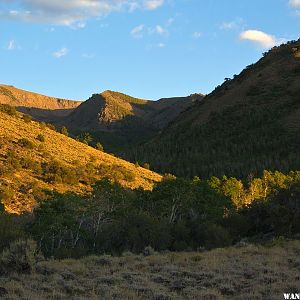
62, 149
17, 97
238, 273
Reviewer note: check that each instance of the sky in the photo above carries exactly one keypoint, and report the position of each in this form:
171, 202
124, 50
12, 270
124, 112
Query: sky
145, 48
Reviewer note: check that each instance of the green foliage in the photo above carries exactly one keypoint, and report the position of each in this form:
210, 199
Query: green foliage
177, 215
85, 138
55, 172
8, 109
99, 147
12, 228
146, 166
114, 220
50, 126
64, 131
6, 195
27, 118
279, 214
115, 172
237, 130
18, 257
40, 137
25, 143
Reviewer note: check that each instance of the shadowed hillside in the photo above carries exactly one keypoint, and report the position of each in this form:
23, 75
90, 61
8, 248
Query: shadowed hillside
39, 106
120, 121
34, 158
246, 125
117, 120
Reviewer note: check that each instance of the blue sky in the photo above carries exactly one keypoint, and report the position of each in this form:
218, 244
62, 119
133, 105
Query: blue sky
146, 48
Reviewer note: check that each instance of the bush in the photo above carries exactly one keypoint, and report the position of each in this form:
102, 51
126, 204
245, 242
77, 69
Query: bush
148, 251
99, 147
8, 109
146, 166
27, 118
64, 131
40, 138
51, 126
25, 143
18, 257
215, 236
6, 194
55, 172
85, 138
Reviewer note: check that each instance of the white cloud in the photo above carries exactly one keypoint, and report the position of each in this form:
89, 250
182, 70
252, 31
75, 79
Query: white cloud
69, 12
161, 45
153, 4
261, 38
231, 25
228, 25
12, 45
60, 53
158, 30
294, 3
137, 32
197, 35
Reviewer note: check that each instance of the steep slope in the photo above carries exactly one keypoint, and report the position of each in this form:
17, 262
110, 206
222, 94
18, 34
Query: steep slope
34, 158
248, 124
121, 121
39, 106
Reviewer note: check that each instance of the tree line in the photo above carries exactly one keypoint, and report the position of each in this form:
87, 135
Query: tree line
178, 215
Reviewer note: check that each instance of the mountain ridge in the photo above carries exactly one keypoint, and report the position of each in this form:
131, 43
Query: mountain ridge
41, 107
248, 124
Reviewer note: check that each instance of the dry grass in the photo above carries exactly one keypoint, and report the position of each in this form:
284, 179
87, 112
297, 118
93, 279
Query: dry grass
59, 148
16, 97
249, 272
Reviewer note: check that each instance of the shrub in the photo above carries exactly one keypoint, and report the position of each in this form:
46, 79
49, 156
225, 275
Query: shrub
40, 138
216, 236
6, 194
8, 109
64, 131
12, 160
29, 164
148, 251
27, 118
56, 172
25, 143
18, 257
43, 125
99, 147
85, 138
146, 166
51, 126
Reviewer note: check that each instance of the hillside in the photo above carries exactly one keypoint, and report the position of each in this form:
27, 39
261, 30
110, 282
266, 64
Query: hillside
39, 106
248, 124
34, 158
120, 121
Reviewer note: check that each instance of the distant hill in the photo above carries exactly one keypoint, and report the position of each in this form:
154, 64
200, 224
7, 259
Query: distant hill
120, 121
39, 106
117, 120
35, 158
248, 124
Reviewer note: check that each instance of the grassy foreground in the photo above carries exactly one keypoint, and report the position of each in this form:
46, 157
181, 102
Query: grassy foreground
240, 272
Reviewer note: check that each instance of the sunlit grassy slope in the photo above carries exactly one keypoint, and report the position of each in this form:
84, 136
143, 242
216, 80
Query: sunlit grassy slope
17, 97
20, 186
